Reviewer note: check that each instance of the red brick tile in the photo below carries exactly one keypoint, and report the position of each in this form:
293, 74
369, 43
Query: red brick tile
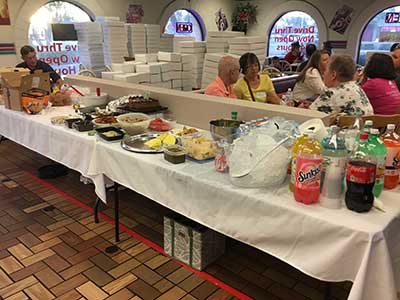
144, 290
28, 271
104, 262
48, 277
146, 274
83, 255
57, 263
98, 276
285, 293
204, 290
68, 285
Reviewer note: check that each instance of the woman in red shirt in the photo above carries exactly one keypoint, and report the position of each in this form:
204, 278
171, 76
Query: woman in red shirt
379, 85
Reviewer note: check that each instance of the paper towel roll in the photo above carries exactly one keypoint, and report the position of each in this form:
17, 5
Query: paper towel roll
316, 126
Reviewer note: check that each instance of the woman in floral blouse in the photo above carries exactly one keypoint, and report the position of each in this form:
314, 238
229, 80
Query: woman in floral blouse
344, 95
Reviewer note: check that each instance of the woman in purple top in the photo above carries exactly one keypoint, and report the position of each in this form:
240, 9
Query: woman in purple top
379, 85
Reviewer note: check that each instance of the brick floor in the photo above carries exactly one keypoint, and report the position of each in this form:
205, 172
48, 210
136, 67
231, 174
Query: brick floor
60, 253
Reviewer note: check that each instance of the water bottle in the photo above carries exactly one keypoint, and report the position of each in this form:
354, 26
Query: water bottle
333, 169
288, 97
379, 151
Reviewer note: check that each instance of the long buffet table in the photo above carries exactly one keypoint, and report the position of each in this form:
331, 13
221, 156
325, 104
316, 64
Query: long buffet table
332, 245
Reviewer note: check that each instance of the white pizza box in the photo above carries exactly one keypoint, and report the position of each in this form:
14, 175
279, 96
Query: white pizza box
144, 77
177, 83
187, 67
154, 78
175, 66
169, 56
110, 75
152, 68
247, 47
128, 77
147, 58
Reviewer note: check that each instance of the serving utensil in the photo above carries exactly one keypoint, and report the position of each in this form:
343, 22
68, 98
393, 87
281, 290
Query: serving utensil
247, 172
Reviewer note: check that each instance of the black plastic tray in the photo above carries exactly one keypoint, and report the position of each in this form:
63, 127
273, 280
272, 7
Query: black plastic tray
101, 130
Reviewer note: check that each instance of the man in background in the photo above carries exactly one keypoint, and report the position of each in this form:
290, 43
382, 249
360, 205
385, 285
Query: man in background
395, 52
310, 49
228, 74
295, 55
28, 54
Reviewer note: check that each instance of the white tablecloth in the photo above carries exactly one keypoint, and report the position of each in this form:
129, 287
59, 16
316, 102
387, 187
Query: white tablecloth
68, 147
331, 245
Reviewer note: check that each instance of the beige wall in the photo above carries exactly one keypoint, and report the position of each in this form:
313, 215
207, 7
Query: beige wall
205, 8
158, 11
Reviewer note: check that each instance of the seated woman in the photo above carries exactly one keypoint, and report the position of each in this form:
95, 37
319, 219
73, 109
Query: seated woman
344, 95
253, 86
310, 84
379, 85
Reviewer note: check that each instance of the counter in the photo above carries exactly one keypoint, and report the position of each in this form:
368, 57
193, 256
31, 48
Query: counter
195, 109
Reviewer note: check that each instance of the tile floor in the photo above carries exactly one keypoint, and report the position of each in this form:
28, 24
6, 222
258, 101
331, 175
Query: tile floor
50, 248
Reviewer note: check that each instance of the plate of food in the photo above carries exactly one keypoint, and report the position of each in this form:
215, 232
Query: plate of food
159, 124
148, 142
110, 133
187, 131
106, 121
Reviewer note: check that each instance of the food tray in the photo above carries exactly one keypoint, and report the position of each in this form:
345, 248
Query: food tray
136, 143
102, 130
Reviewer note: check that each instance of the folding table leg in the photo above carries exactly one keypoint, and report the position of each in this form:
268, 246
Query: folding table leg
96, 210
327, 294
116, 211
114, 248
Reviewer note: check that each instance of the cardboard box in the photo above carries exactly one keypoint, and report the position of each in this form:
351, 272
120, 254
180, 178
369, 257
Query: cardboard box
15, 83
191, 243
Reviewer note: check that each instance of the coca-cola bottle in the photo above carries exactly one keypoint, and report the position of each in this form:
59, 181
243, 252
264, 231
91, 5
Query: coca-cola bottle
360, 177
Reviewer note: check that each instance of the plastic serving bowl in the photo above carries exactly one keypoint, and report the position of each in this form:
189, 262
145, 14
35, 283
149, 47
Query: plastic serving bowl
133, 128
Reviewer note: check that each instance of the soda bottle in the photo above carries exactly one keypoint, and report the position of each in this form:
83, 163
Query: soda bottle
360, 177
308, 170
379, 151
295, 148
392, 142
333, 169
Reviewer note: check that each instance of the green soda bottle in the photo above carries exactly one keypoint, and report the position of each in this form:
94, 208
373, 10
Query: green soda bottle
378, 149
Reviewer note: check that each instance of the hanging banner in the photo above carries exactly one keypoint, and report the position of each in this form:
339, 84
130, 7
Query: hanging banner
342, 19
4, 13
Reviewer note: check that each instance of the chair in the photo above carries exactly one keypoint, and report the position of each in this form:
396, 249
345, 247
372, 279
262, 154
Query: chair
87, 73
380, 121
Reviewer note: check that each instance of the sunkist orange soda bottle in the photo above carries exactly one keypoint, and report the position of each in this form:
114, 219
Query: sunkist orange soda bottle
312, 146
392, 169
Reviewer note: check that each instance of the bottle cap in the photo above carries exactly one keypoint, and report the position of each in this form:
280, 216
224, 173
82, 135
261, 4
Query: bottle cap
363, 136
391, 126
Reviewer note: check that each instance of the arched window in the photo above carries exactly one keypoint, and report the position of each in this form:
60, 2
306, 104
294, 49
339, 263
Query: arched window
185, 22
59, 52
380, 33
294, 26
